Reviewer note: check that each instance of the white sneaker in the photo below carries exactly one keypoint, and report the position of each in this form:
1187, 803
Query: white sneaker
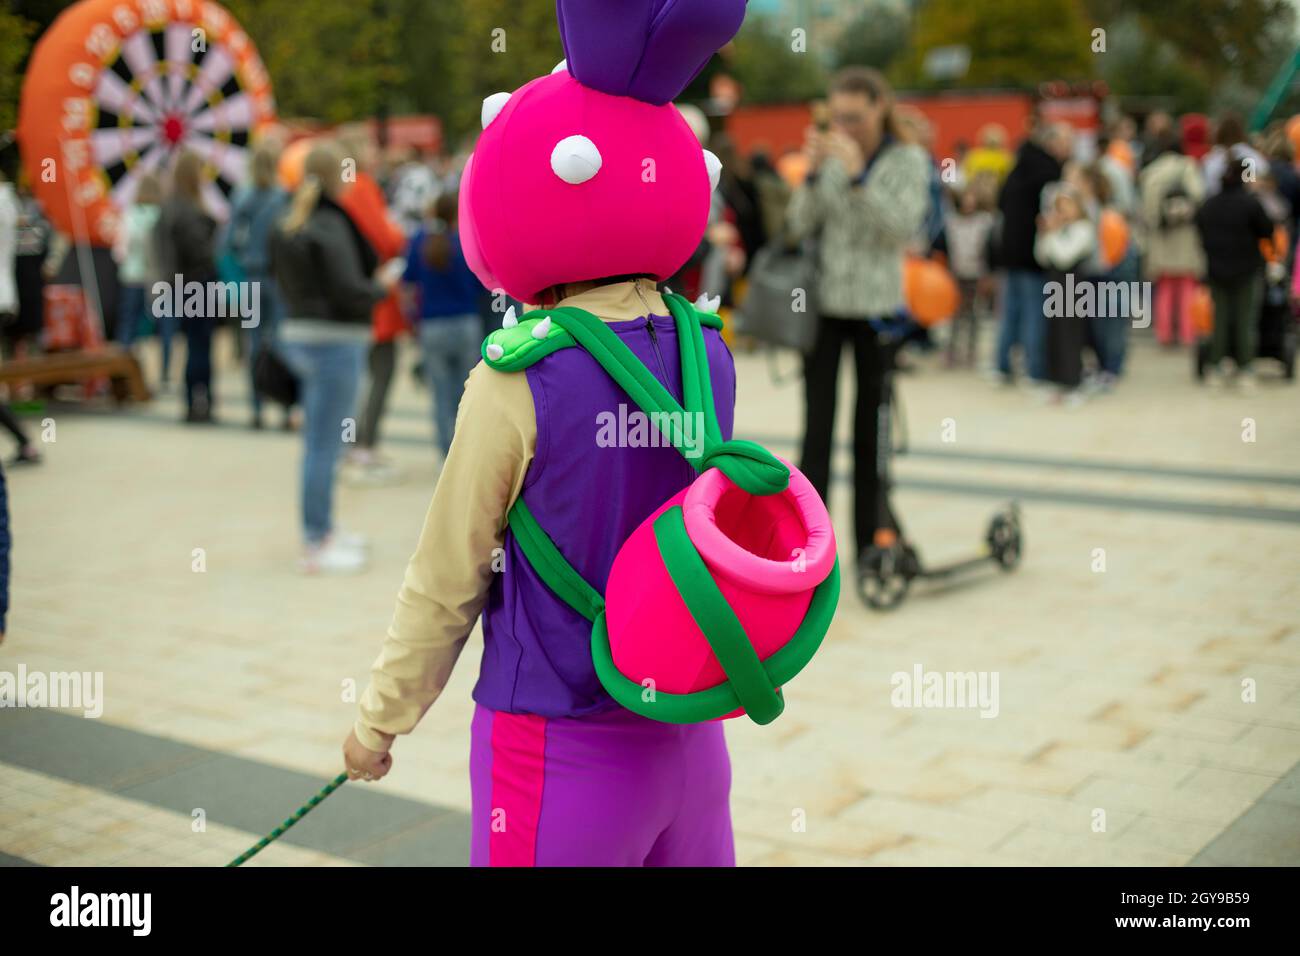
332, 557
353, 540
375, 473
1044, 393
1213, 376
1246, 381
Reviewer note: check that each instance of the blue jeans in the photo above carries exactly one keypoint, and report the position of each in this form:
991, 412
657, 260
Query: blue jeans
451, 348
198, 330
329, 374
130, 313
1110, 335
1023, 323
167, 326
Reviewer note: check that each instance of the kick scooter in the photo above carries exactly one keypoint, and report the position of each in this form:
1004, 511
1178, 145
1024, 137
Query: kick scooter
888, 567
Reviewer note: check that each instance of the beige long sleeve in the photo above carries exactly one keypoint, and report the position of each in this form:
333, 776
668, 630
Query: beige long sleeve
447, 579
448, 576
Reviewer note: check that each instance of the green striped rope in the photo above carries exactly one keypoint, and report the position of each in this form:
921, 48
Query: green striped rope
298, 814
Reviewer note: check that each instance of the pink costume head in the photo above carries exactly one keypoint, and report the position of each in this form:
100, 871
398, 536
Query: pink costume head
590, 172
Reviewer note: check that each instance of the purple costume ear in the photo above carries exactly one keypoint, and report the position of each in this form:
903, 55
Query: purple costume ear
647, 49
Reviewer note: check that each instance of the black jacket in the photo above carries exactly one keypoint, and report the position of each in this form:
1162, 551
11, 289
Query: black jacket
1231, 224
185, 241
324, 270
1019, 204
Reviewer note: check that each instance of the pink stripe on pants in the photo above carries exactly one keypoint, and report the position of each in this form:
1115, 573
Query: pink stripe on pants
613, 789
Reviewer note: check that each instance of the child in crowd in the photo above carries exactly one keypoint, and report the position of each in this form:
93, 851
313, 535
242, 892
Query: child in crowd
1107, 330
137, 263
1065, 247
440, 289
968, 228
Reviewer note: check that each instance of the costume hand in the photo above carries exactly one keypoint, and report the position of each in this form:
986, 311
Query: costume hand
363, 763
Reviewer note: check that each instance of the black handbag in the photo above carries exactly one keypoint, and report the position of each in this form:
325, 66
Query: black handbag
273, 378
781, 278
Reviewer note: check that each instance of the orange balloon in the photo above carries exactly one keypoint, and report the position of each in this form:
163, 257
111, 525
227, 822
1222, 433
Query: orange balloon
292, 160
793, 168
1202, 308
99, 108
929, 291
1293, 132
1114, 238
1121, 152
1273, 249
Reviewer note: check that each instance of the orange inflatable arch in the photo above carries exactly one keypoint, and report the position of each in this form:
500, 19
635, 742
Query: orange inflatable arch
116, 89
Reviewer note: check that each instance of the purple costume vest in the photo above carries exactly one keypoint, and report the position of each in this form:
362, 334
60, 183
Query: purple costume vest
589, 499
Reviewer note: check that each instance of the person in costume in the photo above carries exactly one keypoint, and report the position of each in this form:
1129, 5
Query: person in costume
585, 187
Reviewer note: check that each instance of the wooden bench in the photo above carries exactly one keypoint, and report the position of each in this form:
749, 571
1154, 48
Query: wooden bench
61, 368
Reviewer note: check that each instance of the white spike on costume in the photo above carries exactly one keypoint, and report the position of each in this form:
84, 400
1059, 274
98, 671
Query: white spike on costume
509, 321
494, 351
575, 159
714, 167
561, 66
542, 328
492, 105
706, 304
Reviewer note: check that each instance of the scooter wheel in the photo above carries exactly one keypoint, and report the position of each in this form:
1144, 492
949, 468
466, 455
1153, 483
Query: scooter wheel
1004, 540
885, 574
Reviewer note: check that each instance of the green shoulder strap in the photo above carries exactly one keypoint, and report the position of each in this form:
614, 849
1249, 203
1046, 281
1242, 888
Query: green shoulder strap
747, 463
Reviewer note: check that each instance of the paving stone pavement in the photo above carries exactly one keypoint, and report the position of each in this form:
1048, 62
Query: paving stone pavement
1147, 713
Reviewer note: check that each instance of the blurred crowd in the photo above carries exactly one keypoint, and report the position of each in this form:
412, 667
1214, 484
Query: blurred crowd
1066, 242
1195, 206
353, 247
342, 257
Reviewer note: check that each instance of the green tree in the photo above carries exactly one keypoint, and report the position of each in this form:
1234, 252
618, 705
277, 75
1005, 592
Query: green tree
769, 68
1144, 68
494, 46
1012, 43
330, 60
876, 38
1212, 38
15, 42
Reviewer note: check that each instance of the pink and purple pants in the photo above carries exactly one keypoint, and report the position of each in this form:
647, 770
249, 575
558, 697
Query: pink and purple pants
614, 789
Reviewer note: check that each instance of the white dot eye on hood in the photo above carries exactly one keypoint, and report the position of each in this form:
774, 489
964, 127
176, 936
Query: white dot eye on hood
575, 159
